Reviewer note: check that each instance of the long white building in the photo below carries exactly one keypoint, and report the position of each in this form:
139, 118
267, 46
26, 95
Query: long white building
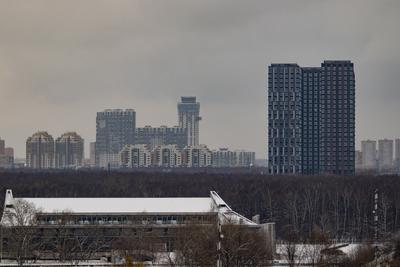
105, 220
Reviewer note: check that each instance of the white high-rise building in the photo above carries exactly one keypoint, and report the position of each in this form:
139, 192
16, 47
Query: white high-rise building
196, 156
135, 156
368, 150
385, 155
189, 117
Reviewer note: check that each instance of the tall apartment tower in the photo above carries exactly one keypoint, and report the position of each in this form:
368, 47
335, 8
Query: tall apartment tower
284, 118
115, 128
368, 149
385, 155
40, 151
337, 118
311, 119
189, 117
69, 151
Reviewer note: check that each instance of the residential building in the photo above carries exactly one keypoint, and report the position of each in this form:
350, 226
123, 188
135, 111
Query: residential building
385, 155
92, 156
196, 156
40, 151
397, 154
337, 118
2, 146
167, 156
225, 158
311, 118
189, 117
135, 156
358, 160
69, 151
115, 128
163, 135
368, 150
284, 118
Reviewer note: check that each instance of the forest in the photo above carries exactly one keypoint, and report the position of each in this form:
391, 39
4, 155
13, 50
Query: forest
342, 207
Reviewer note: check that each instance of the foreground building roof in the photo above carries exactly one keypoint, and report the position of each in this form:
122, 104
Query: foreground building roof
130, 206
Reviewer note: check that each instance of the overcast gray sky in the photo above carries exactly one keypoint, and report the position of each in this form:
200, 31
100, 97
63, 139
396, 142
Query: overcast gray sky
62, 61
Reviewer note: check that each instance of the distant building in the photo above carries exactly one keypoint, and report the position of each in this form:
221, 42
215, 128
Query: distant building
397, 155
40, 151
196, 156
115, 128
135, 156
225, 158
358, 160
6, 156
163, 135
385, 155
167, 156
92, 156
2, 146
368, 150
311, 118
189, 117
69, 151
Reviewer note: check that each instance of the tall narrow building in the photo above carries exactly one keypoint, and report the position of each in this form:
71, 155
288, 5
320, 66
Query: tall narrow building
311, 119
40, 151
337, 118
69, 151
397, 155
284, 118
115, 128
189, 117
385, 155
368, 150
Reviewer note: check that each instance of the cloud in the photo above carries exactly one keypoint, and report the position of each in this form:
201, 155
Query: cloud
61, 61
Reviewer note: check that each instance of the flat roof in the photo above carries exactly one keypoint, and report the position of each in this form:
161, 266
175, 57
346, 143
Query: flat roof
122, 205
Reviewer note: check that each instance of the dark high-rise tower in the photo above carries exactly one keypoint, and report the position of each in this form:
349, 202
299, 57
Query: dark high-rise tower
284, 120
311, 125
337, 118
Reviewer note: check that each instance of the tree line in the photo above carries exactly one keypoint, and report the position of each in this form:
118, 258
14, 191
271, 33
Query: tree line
339, 206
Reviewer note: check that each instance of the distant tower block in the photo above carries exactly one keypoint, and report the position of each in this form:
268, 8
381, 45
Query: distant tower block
189, 117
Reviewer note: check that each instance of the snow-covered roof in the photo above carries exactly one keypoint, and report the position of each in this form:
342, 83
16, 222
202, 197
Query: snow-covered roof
170, 205
122, 205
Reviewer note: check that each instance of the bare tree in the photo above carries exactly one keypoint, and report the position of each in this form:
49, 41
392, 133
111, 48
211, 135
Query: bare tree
21, 229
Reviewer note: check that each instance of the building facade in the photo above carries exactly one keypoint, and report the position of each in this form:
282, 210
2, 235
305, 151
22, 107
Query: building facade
69, 151
135, 156
397, 155
92, 154
196, 157
115, 128
2, 146
163, 135
40, 151
225, 158
368, 149
311, 119
385, 155
110, 220
189, 117
284, 118
169, 156
6, 156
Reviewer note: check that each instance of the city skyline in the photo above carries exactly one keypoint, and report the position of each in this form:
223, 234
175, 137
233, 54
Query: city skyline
60, 66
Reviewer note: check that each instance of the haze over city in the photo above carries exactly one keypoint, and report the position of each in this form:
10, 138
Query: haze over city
61, 62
